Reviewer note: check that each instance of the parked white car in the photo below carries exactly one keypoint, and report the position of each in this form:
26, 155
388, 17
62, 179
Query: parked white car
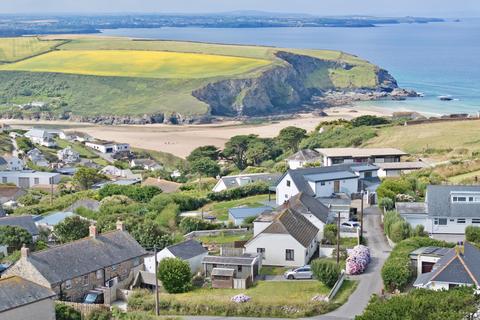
300, 273
351, 224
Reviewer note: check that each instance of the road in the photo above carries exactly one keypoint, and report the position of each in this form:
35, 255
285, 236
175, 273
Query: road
369, 283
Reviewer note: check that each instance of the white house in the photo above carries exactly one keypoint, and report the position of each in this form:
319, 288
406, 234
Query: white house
68, 155
27, 178
10, 163
107, 146
42, 137
303, 157
191, 251
228, 182
395, 169
115, 172
333, 156
145, 164
289, 240
448, 209
325, 181
37, 158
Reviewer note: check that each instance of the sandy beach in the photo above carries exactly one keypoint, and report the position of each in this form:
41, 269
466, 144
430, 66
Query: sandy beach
181, 140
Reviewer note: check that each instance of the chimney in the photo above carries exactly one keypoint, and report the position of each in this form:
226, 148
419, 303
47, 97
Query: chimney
460, 249
24, 252
120, 225
93, 231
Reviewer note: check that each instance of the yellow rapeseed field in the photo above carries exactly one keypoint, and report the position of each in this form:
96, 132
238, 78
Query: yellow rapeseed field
13, 49
133, 63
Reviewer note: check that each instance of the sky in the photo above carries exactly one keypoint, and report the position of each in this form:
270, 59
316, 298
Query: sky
430, 8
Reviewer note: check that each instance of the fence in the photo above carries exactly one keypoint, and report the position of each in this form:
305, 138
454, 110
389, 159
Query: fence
242, 283
83, 308
336, 287
216, 232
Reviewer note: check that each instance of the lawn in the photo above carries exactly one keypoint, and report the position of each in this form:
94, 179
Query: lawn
225, 238
137, 63
272, 271
6, 145
220, 209
466, 177
14, 49
168, 160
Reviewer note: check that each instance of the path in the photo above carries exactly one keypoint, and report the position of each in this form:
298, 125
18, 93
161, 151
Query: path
369, 282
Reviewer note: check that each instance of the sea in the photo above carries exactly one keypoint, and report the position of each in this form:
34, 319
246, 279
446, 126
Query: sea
436, 59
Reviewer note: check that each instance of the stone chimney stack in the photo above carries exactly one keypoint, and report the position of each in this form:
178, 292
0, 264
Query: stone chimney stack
24, 252
93, 231
120, 225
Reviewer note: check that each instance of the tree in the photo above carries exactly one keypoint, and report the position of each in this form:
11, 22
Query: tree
210, 152
330, 233
325, 271
175, 275
205, 167
85, 178
290, 138
189, 224
71, 229
236, 149
472, 234
257, 152
64, 312
14, 237
149, 234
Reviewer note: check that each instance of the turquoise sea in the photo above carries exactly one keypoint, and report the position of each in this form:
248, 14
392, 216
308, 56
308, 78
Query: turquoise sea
435, 59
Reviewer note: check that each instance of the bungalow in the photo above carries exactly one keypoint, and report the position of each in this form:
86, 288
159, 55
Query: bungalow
458, 267
10, 163
333, 156
289, 240
37, 158
448, 209
314, 210
107, 146
26, 300
229, 182
102, 261
68, 155
27, 178
42, 137
325, 181
77, 136
115, 172
303, 157
145, 164
238, 215
26, 222
190, 251
395, 169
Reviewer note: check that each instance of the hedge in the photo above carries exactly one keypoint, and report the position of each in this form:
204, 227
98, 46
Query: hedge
472, 234
58, 203
136, 193
248, 190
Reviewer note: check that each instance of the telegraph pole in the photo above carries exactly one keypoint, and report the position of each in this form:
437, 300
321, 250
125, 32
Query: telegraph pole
361, 219
157, 304
338, 238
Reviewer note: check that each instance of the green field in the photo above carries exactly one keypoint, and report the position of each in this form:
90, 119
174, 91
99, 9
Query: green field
14, 49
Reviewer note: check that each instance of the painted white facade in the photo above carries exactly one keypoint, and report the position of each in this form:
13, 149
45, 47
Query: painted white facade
27, 179
275, 246
195, 263
317, 223
108, 147
259, 226
68, 155
286, 189
12, 164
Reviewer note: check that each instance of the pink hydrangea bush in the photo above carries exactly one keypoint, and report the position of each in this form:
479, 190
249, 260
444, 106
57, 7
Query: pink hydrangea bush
358, 260
240, 298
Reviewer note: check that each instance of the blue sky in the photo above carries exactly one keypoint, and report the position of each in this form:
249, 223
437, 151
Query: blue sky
432, 8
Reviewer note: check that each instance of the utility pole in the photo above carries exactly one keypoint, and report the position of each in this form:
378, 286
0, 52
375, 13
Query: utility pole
157, 309
361, 219
338, 238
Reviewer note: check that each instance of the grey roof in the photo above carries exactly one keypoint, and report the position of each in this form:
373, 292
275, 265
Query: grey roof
455, 267
187, 249
306, 204
339, 199
84, 256
90, 204
3, 161
244, 260
16, 292
305, 155
411, 207
439, 202
360, 152
402, 165
144, 277
294, 224
232, 181
25, 222
242, 213
267, 216
430, 251
225, 272
329, 176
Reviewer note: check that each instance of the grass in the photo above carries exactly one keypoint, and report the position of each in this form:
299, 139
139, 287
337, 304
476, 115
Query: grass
137, 63
6, 145
225, 238
168, 160
465, 177
220, 209
14, 49
272, 271
84, 152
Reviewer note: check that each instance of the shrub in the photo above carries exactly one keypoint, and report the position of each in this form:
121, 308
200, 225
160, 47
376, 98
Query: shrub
389, 188
395, 227
325, 271
386, 203
189, 224
71, 229
100, 315
168, 216
330, 233
64, 312
472, 234
185, 202
136, 193
175, 275
240, 192
14, 237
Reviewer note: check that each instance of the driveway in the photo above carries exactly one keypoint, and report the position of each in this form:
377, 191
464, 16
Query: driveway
370, 282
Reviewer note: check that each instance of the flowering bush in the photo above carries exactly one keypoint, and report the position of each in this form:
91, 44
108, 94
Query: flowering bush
358, 260
240, 298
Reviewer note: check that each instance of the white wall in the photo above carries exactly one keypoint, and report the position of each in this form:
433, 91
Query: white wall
422, 259
194, 262
418, 219
317, 223
451, 227
260, 226
14, 177
220, 186
347, 186
283, 192
295, 164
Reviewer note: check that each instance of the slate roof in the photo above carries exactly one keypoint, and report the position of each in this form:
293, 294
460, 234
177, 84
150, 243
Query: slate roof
244, 260
455, 267
25, 222
54, 218
84, 256
305, 204
360, 152
304, 155
224, 272
3, 161
16, 292
411, 207
402, 165
439, 202
294, 224
232, 181
242, 213
187, 249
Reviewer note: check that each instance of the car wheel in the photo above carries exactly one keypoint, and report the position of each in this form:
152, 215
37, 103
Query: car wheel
290, 277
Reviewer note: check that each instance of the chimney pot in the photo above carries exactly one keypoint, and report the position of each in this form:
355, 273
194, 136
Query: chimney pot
93, 231
120, 226
24, 251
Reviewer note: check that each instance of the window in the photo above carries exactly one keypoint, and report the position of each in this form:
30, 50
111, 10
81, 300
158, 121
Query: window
475, 220
36, 181
4, 179
262, 252
85, 280
99, 274
368, 174
289, 255
239, 268
440, 221
68, 284
288, 183
286, 196
461, 220
322, 183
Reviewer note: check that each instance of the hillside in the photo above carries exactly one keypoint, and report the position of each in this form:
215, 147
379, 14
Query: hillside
117, 80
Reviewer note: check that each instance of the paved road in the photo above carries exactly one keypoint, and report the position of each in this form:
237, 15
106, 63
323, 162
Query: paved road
369, 283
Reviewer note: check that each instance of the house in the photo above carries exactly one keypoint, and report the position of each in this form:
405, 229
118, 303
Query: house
29, 178
145, 164
395, 169
76, 136
42, 137
10, 163
458, 267
423, 259
333, 156
338, 204
303, 157
105, 262
326, 181
448, 209
115, 172
288, 240
190, 251
229, 182
26, 300
68, 155
37, 158
10, 193
245, 267
314, 210
107, 146
51, 220
165, 185
238, 215
26, 222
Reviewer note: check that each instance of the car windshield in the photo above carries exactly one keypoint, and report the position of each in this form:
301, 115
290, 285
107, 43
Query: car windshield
90, 298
